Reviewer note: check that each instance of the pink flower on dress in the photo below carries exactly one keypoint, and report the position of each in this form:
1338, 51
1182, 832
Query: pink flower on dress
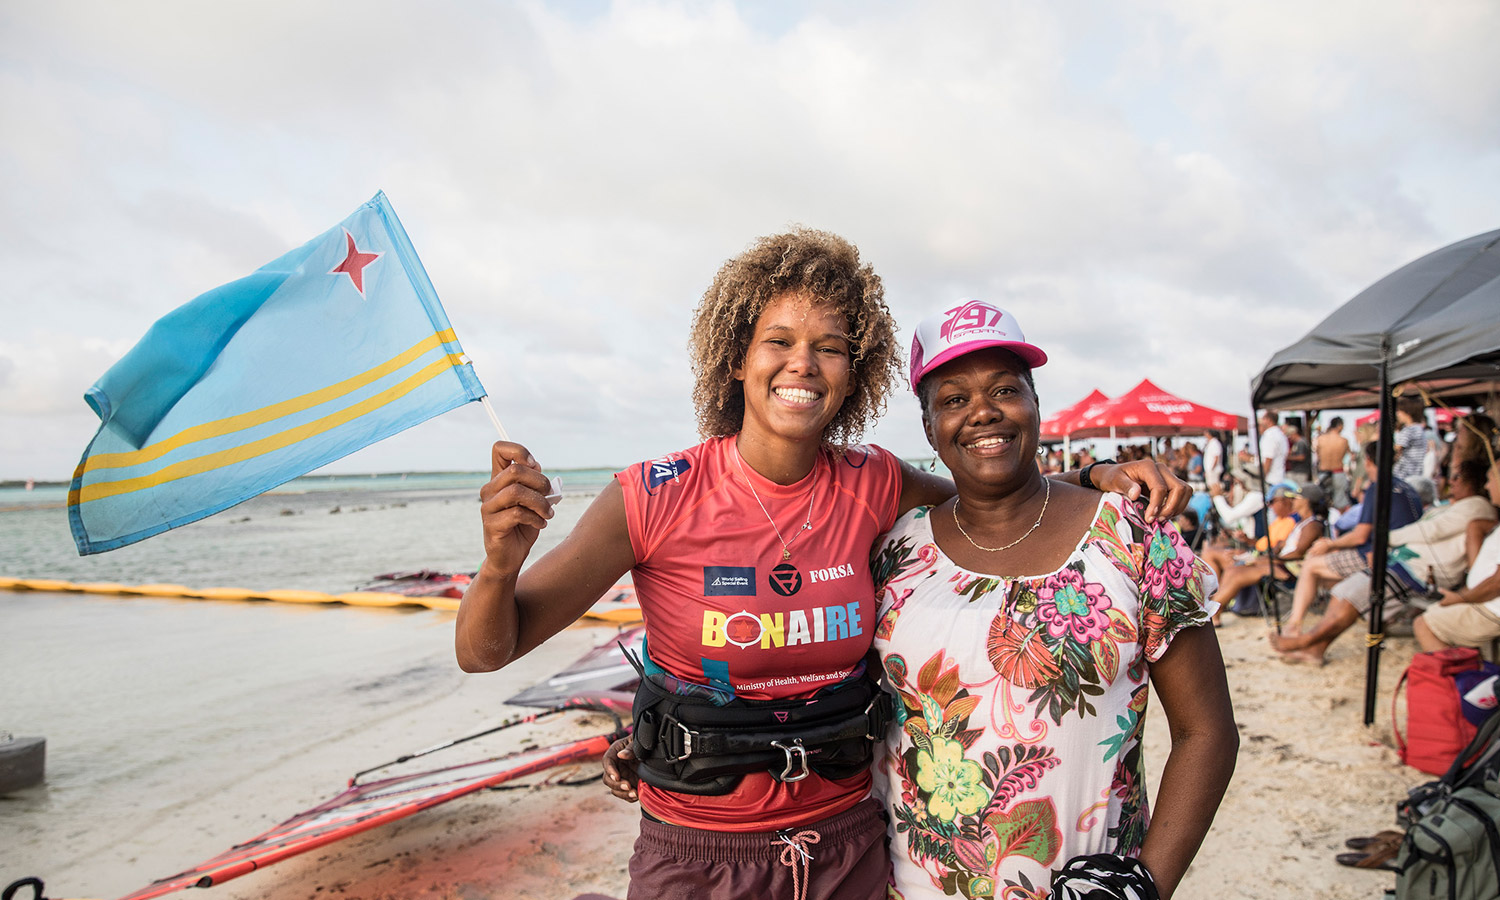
1168, 562
1068, 604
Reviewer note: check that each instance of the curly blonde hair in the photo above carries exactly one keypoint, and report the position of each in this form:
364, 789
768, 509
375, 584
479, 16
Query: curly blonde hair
802, 260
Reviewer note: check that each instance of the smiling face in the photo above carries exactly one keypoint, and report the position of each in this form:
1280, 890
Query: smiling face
980, 414
797, 369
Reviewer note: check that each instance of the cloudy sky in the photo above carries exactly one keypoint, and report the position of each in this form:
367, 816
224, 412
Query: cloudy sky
1170, 189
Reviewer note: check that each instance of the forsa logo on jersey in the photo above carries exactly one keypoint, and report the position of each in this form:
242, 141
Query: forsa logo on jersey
817, 625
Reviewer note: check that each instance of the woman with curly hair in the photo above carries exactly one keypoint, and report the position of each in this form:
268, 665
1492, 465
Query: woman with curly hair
749, 552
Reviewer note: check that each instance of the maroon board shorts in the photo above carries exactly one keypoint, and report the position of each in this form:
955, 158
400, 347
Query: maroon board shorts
842, 857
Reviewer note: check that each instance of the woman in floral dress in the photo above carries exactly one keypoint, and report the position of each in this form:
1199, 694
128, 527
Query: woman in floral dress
1019, 625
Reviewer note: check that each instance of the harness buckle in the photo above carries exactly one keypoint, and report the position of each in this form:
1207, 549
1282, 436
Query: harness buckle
687, 742
878, 716
796, 760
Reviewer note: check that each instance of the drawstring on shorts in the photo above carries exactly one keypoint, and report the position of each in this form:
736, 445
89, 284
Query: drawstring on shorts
796, 857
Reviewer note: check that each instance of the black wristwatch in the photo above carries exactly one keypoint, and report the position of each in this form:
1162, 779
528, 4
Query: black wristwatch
1084, 473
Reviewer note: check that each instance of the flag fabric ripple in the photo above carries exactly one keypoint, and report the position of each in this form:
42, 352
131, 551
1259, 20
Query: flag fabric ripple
334, 346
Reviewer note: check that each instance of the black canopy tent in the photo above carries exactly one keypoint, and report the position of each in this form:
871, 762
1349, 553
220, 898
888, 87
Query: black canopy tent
1436, 322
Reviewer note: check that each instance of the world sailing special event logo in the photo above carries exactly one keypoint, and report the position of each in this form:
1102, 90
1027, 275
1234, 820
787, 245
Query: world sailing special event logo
729, 581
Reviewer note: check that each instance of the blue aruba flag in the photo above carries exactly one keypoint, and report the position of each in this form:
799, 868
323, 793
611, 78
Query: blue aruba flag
332, 347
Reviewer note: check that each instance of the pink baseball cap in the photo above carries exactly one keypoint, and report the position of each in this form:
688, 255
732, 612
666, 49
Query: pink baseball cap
969, 326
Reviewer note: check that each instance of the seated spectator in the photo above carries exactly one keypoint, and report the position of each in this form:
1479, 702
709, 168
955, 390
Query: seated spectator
1310, 512
1239, 514
1188, 526
1470, 616
1426, 489
1471, 435
1428, 550
1283, 519
1331, 560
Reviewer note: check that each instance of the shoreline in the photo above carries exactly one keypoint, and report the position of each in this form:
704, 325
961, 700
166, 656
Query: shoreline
1308, 775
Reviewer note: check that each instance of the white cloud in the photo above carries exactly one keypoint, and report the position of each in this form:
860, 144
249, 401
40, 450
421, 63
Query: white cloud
1173, 191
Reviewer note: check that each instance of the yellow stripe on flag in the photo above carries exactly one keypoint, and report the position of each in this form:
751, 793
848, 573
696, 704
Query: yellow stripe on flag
231, 424
211, 461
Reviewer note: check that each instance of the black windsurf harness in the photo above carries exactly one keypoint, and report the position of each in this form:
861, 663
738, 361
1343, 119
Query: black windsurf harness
692, 745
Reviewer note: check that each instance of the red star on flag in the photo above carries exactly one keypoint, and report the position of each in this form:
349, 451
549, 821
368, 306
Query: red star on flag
354, 264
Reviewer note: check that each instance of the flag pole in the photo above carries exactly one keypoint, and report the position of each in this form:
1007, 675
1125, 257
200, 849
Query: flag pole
485, 402
555, 492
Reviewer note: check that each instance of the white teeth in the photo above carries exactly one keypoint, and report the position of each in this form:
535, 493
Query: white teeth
982, 443
796, 395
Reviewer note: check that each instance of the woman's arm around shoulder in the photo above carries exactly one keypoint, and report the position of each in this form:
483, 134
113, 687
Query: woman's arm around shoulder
921, 488
1169, 495
505, 614
1189, 678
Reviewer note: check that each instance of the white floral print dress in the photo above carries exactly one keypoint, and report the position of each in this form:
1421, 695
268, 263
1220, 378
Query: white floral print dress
1020, 702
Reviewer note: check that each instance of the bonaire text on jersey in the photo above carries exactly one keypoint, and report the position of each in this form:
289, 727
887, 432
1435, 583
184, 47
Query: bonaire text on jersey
817, 625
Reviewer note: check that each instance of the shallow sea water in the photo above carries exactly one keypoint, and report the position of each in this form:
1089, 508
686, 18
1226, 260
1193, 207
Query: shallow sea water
157, 711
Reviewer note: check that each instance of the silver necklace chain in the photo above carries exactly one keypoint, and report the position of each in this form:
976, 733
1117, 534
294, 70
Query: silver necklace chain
786, 545
1046, 498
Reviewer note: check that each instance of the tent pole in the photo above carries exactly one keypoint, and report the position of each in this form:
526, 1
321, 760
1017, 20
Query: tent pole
1265, 509
1379, 552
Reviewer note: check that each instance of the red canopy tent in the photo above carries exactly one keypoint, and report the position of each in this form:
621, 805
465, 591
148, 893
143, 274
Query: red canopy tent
1148, 411
1052, 426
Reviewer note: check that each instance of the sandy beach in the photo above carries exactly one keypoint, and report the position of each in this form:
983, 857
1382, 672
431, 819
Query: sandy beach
1309, 775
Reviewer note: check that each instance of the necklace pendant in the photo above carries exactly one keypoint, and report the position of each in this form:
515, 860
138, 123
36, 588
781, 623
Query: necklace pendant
785, 553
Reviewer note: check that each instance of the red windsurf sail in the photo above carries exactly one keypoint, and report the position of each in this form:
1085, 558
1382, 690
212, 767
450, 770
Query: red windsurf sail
364, 806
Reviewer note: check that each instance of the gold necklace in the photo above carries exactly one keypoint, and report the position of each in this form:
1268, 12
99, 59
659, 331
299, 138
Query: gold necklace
1046, 498
786, 545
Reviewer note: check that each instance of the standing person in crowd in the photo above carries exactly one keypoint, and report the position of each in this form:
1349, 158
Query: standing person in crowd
1194, 464
1298, 455
1273, 448
1023, 608
1331, 560
1428, 551
794, 354
1333, 455
1213, 458
1411, 435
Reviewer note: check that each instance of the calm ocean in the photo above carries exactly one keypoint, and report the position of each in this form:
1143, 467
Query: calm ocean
177, 727
323, 533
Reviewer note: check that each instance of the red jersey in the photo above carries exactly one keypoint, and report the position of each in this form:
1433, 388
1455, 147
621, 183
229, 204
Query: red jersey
724, 607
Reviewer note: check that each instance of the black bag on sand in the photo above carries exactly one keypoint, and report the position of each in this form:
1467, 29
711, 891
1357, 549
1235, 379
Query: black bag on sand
1451, 850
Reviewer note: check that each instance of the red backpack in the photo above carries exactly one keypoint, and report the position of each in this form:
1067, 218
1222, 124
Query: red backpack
1436, 728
